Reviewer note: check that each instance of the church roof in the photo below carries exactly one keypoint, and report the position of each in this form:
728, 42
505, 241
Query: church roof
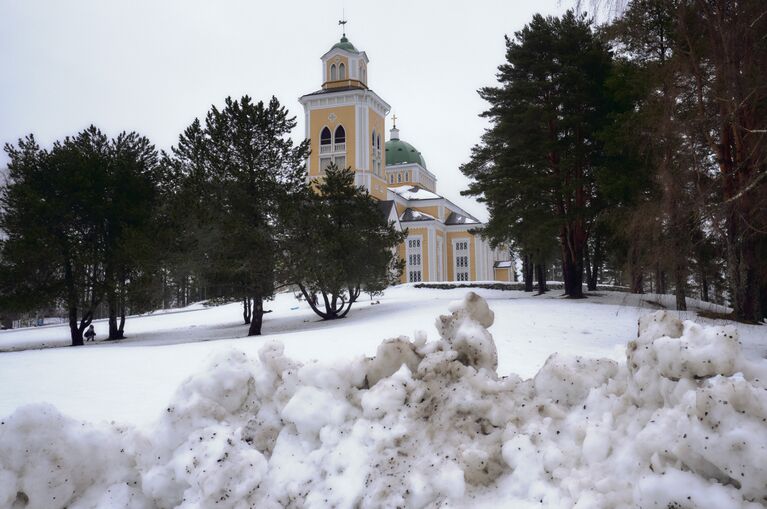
385, 207
331, 90
402, 152
409, 192
345, 44
415, 215
456, 218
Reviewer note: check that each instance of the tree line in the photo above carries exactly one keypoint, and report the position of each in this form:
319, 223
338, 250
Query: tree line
227, 214
634, 151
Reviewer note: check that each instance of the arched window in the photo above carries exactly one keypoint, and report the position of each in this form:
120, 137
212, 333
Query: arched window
340, 135
374, 138
333, 76
378, 142
341, 72
325, 136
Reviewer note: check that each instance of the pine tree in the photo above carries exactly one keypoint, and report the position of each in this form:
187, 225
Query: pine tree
245, 169
339, 244
129, 205
50, 215
76, 219
535, 166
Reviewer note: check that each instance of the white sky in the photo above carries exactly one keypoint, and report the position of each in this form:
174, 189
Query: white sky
154, 65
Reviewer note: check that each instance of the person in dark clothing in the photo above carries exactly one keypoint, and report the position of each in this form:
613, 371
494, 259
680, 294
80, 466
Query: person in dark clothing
90, 334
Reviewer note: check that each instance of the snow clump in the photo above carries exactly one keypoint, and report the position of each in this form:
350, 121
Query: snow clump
683, 424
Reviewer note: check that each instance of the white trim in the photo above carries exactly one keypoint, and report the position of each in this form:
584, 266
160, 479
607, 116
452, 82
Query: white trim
432, 253
308, 136
440, 257
346, 98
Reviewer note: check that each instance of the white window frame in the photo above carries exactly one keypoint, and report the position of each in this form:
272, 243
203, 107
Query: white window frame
414, 253
461, 271
440, 263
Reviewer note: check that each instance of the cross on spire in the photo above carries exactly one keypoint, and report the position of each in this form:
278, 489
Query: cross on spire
394, 119
343, 23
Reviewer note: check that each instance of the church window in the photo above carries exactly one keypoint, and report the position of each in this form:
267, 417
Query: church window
325, 136
333, 75
340, 139
377, 166
324, 163
461, 260
325, 141
414, 262
399, 178
341, 72
340, 161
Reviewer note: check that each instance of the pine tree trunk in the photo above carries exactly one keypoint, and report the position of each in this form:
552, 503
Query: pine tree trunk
112, 307
540, 272
257, 316
76, 334
636, 274
572, 240
743, 280
527, 272
660, 280
121, 328
594, 268
74, 331
589, 271
247, 310
703, 286
680, 285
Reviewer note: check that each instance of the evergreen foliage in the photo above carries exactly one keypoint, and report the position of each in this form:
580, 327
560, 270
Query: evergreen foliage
77, 220
231, 180
340, 244
648, 161
536, 166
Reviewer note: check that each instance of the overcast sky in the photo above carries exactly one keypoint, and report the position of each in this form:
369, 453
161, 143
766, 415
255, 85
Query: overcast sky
154, 65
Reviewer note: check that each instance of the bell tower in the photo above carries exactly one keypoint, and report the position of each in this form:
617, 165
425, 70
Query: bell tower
345, 119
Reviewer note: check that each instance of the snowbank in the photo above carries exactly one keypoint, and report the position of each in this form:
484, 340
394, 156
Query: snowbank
683, 423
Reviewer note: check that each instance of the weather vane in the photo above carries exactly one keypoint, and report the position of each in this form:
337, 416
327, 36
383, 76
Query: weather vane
343, 22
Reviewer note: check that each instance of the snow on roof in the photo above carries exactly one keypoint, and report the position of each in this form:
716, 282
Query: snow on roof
415, 193
456, 218
415, 215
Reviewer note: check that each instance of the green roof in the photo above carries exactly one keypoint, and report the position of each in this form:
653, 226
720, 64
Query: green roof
344, 44
402, 152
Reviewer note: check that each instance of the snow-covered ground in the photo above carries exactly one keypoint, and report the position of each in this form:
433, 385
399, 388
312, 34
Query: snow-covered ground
199, 416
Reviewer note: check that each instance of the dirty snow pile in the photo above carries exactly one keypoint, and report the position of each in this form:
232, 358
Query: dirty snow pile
683, 424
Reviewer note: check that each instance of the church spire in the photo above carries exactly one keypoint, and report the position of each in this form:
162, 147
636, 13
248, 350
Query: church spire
343, 21
394, 132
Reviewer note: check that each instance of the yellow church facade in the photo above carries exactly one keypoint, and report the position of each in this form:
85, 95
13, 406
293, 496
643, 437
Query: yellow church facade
345, 122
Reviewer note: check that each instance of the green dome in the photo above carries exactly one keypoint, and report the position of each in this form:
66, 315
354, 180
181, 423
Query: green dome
344, 44
402, 152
